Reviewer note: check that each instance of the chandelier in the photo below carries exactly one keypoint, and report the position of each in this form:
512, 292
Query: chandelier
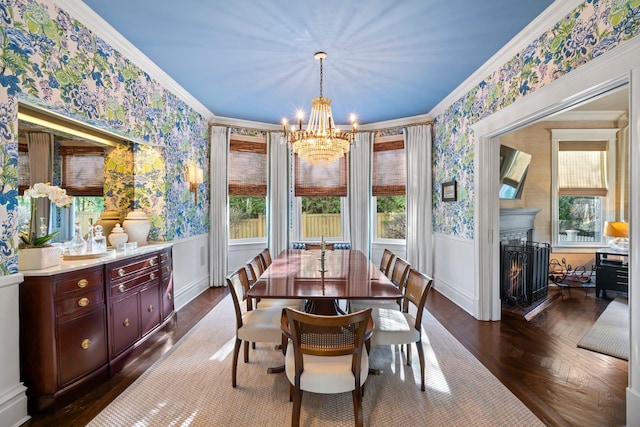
321, 143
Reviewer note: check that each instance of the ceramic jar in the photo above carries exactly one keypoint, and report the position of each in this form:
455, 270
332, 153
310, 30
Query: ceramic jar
137, 226
108, 220
118, 237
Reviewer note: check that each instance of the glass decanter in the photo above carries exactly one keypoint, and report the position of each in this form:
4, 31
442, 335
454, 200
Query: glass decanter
78, 245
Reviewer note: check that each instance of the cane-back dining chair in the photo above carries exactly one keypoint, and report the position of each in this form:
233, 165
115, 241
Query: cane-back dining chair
256, 269
326, 355
398, 278
393, 327
255, 325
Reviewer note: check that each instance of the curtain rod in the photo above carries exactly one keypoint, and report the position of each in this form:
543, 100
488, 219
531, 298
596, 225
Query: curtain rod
428, 122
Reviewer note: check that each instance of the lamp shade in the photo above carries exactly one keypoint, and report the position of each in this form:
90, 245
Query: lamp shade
616, 229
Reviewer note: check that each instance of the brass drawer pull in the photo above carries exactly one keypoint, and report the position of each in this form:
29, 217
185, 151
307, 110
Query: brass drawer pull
82, 283
126, 322
85, 343
169, 297
152, 262
83, 302
122, 288
121, 272
152, 275
150, 309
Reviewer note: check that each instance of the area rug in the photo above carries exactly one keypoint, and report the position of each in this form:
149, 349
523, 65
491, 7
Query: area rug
191, 386
610, 334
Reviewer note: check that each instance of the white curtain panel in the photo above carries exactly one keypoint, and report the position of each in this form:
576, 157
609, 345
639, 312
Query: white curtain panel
419, 192
218, 213
278, 193
360, 193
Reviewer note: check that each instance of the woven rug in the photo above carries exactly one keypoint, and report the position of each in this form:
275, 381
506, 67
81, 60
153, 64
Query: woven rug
610, 334
191, 386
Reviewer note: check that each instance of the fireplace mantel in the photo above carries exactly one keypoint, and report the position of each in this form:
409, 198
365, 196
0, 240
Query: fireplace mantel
517, 224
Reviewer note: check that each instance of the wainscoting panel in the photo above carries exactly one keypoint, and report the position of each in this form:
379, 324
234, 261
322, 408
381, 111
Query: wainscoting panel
454, 271
190, 268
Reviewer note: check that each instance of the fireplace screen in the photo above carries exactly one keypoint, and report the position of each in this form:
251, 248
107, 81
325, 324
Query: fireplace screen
525, 269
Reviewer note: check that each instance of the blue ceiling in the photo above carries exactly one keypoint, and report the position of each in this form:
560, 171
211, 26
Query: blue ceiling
253, 59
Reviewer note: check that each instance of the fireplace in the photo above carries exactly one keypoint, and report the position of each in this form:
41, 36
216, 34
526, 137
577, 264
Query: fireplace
524, 264
524, 272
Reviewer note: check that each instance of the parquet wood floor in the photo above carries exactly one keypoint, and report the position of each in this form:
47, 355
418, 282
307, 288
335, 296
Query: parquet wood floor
537, 360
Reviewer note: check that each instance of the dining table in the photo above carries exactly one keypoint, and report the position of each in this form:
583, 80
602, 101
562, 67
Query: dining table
323, 278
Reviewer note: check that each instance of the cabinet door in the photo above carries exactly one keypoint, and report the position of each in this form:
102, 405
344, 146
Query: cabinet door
81, 345
149, 308
125, 325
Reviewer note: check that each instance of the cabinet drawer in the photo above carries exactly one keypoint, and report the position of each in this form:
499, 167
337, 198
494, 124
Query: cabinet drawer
123, 272
78, 280
124, 323
148, 277
165, 257
81, 345
79, 302
149, 308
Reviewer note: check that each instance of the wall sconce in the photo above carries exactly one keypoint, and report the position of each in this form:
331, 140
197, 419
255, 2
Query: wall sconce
620, 231
195, 176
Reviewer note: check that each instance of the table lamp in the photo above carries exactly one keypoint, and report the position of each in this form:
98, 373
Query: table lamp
620, 231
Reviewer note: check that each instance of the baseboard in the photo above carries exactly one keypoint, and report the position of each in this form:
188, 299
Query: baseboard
13, 406
465, 302
633, 407
190, 291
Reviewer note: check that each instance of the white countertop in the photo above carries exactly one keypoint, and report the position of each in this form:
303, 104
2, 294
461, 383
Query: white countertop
111, 256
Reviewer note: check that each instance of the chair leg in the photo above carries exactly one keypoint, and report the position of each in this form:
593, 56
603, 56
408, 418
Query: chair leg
246, 352
421, 356
408, 354
297, 404
234, 368
291, 390
357, 406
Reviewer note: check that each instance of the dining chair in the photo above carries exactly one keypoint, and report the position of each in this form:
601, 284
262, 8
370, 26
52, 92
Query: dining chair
393, 327
255, 325
326, 355
398, 278
266, 258
385, 262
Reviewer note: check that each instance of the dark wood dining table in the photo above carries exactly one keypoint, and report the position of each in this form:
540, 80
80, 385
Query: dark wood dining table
342, 275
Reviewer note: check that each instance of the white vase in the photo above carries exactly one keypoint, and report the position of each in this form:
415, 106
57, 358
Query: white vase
137, 226
38, 258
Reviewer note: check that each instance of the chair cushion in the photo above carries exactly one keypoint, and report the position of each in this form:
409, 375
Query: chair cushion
326, 374
261, 325
393, 327
357, 305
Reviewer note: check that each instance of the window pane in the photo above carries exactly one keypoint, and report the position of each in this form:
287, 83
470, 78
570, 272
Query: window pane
391, 217
321, 217
247, 217
580, 219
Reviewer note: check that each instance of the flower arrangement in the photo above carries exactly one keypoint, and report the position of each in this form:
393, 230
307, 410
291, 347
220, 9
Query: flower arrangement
29, 238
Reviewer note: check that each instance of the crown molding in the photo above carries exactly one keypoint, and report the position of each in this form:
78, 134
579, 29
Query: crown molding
247, 124
542, 23
94, 22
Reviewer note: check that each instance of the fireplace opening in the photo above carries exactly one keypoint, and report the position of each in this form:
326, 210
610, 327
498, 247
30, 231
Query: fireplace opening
525, 269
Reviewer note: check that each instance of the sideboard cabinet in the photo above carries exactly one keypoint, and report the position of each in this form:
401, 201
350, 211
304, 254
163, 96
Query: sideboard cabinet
80, 326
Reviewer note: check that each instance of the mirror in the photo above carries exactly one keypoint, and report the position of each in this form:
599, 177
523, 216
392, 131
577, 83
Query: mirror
514, 165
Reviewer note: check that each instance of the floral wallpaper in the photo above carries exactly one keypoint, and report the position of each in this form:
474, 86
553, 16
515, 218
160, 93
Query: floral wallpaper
51, 60
595, 27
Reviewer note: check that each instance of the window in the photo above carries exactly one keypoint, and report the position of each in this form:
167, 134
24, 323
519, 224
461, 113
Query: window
582, 175
389, 187
247, 178
321, 191
82, 170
